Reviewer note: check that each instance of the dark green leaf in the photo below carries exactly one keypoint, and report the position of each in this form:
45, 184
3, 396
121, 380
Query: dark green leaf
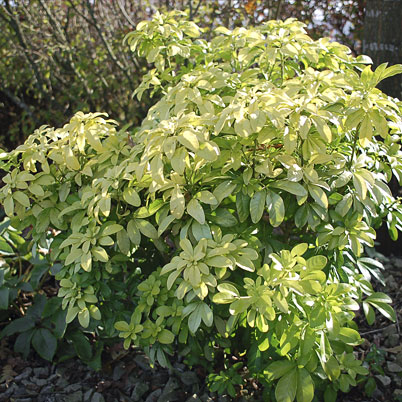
4, 297
23, 343
44, 343
242, 206
19, 325
81, 345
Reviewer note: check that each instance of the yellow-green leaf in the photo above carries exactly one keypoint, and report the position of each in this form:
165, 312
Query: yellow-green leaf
257, 205
285, 390
189, 140
22, 198
195, 210
177, 203
100, 254
305, 386
146, 228
131, 197
83, 317
111, 229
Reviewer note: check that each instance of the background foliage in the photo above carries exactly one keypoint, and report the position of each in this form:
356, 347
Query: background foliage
62, 56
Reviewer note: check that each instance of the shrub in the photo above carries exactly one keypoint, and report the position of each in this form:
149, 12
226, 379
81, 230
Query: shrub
233, 222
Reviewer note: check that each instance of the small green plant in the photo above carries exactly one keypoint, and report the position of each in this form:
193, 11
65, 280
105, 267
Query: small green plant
374, 359
235, 218
42, 325
226, 380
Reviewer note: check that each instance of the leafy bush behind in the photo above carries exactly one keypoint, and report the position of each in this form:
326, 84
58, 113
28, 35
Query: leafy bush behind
234, 220
62, 56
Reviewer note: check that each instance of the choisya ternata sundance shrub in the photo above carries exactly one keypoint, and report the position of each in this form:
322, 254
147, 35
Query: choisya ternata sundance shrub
235, 218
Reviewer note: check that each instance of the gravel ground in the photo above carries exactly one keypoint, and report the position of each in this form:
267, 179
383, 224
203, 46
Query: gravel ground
129, 377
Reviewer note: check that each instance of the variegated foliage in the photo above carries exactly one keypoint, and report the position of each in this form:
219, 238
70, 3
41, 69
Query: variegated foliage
258, 178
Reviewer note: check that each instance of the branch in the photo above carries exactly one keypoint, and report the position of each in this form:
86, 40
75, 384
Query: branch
17, 101
16, 26
56, 25
278, 9
125, 14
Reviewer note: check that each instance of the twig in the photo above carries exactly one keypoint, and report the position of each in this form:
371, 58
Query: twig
278, 9
20, 103
16, 26
374, 331
125, 14
106, 44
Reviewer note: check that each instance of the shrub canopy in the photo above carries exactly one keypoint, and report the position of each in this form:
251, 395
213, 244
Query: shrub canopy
235, 218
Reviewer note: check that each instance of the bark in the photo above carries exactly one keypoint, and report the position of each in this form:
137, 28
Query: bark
383, 43
383, 39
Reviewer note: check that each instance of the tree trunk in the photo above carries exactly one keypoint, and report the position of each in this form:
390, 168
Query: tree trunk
383, 39
383, 43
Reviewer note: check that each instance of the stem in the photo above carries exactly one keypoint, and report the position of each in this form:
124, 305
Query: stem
254, 152
354, 146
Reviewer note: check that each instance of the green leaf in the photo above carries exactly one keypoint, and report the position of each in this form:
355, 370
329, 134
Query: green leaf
71, 314
305, 386
369, 313
240, 305
164, 224
285, 390
74, 255
385, 309
360, 185
4, 297
133, 232
354, 119
332, 369
316, 262
81, 345
318, 195
23, 343
19, 325
276, 208
224, 218
83, 317
349, 336
195, 210
5, 248
165, 336
291, 187
45, 343
111, 229
123, 241
194, 321
299, 250
100, 254
229, 289
189, 140
206, 314
219, 261
242, 206
330, 395
201, 231
9, 205
390, 72
257, 205
22, 198
177, 203
122, 326
224, 190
